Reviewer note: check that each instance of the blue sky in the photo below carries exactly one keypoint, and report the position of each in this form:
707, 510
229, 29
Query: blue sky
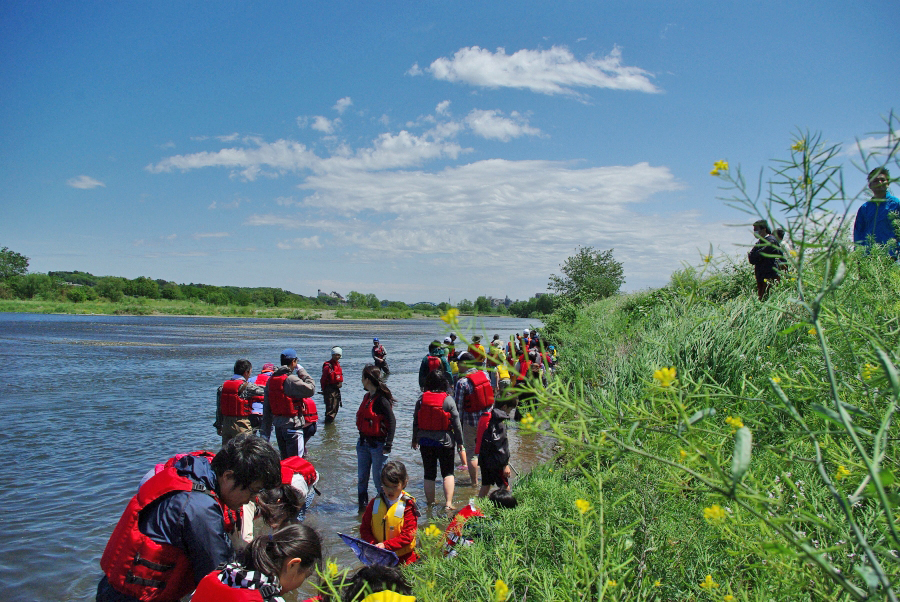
415, 150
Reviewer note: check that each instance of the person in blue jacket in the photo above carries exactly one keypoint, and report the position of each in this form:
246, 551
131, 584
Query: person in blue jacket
875, 219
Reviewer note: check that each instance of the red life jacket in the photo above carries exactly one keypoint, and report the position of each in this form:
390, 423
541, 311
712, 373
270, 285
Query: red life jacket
261, 379
482, 396
230, 401
369, 422
454, 529
477, 351
332, 373
524, 368
434, 363
297, 465
432, 416
279, 403
310, 413
210, 589
136, 565
231, 517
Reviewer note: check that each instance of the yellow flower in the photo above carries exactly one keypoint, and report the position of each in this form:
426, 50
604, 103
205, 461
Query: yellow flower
430, 584
842, 473
728, 598
451, 317
582, 505
811, 332
501, 591
793, 253
611, 583
333, 570
714, 514
734, 422
776, 379
527, 420
682, 453
799, 146
665, 376
432, 531
708, 583
707, 258
714, 172
721, 165
869, 371
657, 583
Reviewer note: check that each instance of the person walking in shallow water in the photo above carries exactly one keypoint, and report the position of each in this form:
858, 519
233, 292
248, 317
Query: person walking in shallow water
332, 380
283, 405
379, 356
376, 424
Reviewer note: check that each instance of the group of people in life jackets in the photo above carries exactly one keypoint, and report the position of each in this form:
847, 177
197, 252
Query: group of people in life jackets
190, 524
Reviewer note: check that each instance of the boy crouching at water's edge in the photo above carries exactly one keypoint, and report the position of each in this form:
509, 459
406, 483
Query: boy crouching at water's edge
391, 519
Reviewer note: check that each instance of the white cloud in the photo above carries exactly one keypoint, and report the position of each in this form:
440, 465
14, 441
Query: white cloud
167, 145
84, 183
281, 155
384, 120
492, 125
443, 108
217, 205
229, 137
300, 243
302, 122
324, 125
872, 145
200, 235
342, 105
553, 71
285, 201
415, 70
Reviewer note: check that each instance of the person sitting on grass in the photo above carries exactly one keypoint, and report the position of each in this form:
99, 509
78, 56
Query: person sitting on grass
391, 519
492, 446
271, 566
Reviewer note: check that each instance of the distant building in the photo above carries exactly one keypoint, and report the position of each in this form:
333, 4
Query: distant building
331, 295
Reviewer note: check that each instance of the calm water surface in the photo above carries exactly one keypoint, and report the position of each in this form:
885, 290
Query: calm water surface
94, 401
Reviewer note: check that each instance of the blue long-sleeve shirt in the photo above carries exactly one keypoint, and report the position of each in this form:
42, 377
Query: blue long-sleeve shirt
874, 220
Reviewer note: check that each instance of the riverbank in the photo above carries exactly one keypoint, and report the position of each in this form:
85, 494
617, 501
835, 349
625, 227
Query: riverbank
703, 450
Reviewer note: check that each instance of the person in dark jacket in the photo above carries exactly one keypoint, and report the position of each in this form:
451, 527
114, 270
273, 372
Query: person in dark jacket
376, 423
436, 356
187, 523
493, 447
765, 257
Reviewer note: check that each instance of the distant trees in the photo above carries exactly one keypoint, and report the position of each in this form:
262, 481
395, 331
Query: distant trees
12, 264
588, 276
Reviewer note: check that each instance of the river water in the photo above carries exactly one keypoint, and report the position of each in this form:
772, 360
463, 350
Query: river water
94, 401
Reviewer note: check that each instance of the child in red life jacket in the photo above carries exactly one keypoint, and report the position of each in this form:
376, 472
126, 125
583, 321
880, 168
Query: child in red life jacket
391, 519
492, 446
289, 502
271, 566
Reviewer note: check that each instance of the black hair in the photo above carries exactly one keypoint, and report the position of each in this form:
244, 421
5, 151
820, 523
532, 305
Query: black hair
242, 366
510, 403
779, 232
433, 345
251, 458
286, 361
373, 579
503, 498
761, 223
436, 382
879, 170
280, 504
394, 472
373, 375
267, 553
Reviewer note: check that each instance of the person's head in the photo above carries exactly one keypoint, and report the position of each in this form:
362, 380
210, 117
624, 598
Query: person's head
761, 227
290, 553
452, 337
779, 234
375, 340
436, 382
448, 341
280, 505
371, 382
533, 355
394, 480
336, 353
244, 466
496, 337
476, 338
268, 367
434, 346
289, 358
374, 579
525, 332
503, 498
466, 361
879, 178
506, 404
243, 367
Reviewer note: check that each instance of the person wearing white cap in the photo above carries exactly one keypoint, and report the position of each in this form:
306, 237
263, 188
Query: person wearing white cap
283, 406
332, 379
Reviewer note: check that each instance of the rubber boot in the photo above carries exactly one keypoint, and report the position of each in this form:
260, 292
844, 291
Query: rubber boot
363, 501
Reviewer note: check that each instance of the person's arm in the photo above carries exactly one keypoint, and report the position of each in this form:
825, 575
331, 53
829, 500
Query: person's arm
383, 407
423, 372
859, 227
299, 385
218, 422
365, 527
455, 423
407, 531
203, 535
415, 427
265, 428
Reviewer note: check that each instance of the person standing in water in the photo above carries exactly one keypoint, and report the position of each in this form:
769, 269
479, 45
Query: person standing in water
376, 423
283, 405
379, 356
332, 380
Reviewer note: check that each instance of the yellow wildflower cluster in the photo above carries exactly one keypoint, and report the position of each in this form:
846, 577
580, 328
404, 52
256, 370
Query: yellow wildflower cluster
811, 332
734, 422
451, 317
432, 531
611, 583
665, 376
707, 258
501, 591
714, 514
333, 569
582, 505
842, 473
719, 166
527, 421
869, 371
682, 454
728, 598
657, 583
799, 146
708, 583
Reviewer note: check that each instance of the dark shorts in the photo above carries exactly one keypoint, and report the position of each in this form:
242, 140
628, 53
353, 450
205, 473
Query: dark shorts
431, 454
493, 475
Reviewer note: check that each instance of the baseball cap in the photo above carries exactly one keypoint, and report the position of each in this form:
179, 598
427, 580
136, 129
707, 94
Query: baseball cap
375, 340
268, 367
290, 354
448, 340
337, 351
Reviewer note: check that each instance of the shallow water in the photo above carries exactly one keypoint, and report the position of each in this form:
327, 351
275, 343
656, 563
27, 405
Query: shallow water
94, 401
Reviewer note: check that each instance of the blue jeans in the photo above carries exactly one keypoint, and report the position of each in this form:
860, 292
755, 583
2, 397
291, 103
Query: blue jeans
372, 459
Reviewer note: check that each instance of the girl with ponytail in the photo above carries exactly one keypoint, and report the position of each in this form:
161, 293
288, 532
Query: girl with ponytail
270, 566
376, 423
